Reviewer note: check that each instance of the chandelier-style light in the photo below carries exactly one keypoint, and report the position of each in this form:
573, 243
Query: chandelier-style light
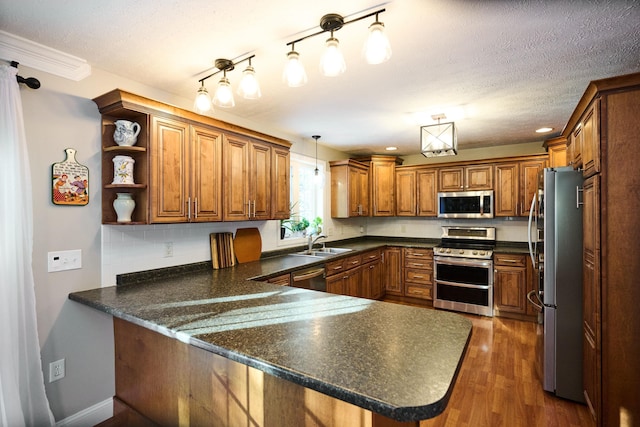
377, 49
439, 139
249, 87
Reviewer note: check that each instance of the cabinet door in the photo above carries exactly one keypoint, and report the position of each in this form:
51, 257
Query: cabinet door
427, 192
383, 191
529, 171
557, 156
236, 179
591, 140
206, 178
358, 192
372, 282
280, 172
353, 283
478, 177
451, 179
510, 289
335, 284
576, 148
406, 193
590, 374
260, 180
169, 170
393, 271
506, 190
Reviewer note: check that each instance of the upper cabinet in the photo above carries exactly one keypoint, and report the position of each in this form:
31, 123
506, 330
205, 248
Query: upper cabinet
516, 182
557, 149
382, 175
189, 167
416, 191
349, 189
465, 178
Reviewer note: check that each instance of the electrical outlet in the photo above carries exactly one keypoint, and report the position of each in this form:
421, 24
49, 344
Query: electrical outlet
64, 260
56, 370
168, 249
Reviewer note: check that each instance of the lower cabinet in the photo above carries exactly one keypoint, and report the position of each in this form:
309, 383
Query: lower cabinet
393, 271
357, 276
372, 283
511, 282
418, 273
282, 280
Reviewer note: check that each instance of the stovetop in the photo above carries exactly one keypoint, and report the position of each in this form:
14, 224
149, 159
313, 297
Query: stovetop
466, 242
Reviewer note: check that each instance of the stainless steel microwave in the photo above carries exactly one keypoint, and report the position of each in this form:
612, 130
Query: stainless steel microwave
465, 204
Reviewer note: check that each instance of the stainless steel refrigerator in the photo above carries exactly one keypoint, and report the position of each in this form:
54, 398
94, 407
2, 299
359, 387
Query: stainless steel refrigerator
555, 245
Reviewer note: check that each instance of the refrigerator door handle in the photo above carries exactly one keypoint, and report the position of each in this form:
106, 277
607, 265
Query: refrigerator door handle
532, 249
578, 202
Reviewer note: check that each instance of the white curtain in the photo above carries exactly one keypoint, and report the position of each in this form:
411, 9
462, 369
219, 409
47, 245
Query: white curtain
22, 397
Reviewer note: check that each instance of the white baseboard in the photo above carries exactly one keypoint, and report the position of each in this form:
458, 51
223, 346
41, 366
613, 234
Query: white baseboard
89, 417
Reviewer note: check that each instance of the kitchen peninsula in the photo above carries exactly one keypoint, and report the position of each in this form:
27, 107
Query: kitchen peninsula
212, 347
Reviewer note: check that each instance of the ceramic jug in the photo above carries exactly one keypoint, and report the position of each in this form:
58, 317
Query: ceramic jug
126, 133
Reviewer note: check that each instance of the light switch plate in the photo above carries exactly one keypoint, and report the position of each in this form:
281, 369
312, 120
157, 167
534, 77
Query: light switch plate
64, 260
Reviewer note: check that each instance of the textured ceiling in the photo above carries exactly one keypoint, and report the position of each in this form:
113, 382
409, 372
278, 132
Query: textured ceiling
510, 66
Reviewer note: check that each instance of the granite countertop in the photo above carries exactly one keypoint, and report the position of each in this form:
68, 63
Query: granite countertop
396, 360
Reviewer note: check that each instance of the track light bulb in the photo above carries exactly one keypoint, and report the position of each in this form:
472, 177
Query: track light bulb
377, 48
294, 74
202, 102
224, 95
249, 88
332, 63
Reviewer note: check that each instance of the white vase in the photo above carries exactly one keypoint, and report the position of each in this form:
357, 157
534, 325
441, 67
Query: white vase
124, 206
123, 170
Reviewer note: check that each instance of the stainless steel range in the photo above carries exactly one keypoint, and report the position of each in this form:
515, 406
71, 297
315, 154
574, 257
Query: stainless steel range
463, 270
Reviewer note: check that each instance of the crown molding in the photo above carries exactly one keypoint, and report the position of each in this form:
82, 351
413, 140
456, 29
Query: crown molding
42, 58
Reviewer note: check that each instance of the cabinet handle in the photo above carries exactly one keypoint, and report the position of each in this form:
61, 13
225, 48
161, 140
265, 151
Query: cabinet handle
371, 266
189, 209
417, 264
195, 208
418, 277
508, 260
354, 262
578, 202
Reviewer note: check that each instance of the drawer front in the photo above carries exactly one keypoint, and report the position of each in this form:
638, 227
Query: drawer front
424, 292
421, 277
418, 253
334, 267
352, 261
371, 256
512, 260
424, 264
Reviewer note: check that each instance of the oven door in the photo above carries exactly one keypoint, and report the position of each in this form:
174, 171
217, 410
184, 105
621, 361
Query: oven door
463, 284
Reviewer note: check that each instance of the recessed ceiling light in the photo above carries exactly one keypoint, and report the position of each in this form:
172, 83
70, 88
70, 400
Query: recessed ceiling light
391, 148
544, 130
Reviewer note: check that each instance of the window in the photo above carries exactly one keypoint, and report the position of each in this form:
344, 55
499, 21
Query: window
307, 199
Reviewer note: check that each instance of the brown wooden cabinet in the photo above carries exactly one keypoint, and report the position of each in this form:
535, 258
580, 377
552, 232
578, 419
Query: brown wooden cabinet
465, 178
282, 280
557, 150
606, 124
344, 276
515, 185
186, 173
393, 284
180, 161
349, 189
382, 185
372, 283
416, 191
418, 273
509, 283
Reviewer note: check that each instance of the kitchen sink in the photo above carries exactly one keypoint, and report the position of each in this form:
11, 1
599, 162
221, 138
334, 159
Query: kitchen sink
323, 252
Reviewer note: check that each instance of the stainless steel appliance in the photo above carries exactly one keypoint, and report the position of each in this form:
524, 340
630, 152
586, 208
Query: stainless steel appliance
465, 204
555, 246
463, 270
313, 278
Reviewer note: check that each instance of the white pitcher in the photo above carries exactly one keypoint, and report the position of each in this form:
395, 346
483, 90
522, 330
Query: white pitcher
126, 133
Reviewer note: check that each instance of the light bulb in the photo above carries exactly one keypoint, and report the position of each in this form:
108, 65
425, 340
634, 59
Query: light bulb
294, 74
224, 94
249, 87
202, 102
332, 63
377, 48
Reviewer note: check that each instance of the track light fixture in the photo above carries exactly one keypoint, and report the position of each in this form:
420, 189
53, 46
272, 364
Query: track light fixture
376, 49
249, 87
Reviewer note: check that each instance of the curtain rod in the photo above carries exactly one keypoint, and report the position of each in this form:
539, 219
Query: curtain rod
32, 82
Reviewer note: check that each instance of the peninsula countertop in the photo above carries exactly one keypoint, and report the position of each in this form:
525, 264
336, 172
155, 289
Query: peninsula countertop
395, 360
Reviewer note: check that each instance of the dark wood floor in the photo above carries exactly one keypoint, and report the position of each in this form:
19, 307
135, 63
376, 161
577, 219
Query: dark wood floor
498, 384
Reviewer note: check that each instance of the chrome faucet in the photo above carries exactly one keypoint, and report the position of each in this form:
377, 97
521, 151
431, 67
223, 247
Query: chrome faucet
312, 241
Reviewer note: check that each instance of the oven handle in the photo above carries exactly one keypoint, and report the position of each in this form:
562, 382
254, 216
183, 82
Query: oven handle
463, 285
457, 261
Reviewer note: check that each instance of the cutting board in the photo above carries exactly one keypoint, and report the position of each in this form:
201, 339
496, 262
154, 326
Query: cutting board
247, 244
222, 251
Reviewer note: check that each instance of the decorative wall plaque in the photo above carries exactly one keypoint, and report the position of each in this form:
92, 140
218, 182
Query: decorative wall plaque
70, 181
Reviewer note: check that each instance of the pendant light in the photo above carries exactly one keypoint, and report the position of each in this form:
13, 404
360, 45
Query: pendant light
377, 48
203, 100
294, 74
332, 63
224, 95
316, 173
249, 88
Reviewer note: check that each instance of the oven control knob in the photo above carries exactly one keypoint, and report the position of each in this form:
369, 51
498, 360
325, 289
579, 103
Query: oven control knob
475, 252
448, 251
482, 253
461, 251
441, 250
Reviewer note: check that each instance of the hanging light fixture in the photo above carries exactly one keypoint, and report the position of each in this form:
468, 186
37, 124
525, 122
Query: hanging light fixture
249, 87
294, 74
377, 48
439, 139
316, 173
